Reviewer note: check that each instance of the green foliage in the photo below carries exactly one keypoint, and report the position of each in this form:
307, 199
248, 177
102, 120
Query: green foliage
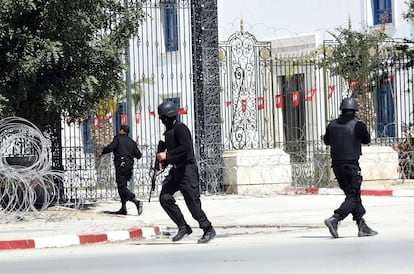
137, 87
3, 102
409, 15
61, 56
361, 59
356, 57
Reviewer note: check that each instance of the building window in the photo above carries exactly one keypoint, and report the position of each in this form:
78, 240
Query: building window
385, 109
382, 11
169, 8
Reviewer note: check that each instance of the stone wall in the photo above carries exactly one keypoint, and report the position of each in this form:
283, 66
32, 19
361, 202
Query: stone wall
268, 171
249, 172
379, 163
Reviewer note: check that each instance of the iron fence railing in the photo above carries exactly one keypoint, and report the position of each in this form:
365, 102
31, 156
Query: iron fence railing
266, 101
234, 95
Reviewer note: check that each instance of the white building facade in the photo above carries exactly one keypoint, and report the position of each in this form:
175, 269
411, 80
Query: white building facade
248, 111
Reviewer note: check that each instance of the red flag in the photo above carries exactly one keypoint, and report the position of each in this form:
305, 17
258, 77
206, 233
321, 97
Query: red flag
295, 98
388, 78
244, 105
353, 85
138, 118
124, 119
182, 111
152, 113
96, 122
331, 91
279, 101
260, 103
108, 117
311, 93
228, 103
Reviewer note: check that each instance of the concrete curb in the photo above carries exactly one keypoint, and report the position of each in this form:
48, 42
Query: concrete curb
153, 231
338, 191
81, 239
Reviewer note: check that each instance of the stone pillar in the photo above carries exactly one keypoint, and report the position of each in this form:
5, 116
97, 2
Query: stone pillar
378, 163
249, 172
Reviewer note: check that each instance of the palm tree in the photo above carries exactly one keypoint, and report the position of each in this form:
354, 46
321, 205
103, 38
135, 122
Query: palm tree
138, 91
110, 105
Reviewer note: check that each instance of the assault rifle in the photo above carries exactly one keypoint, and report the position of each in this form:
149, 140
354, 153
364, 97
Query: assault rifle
155, 170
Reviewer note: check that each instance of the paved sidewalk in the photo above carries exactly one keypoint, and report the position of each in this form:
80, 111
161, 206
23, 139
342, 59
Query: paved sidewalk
227, 212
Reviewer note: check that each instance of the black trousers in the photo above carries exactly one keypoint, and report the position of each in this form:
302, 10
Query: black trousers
349, 180
123, 173
186, 180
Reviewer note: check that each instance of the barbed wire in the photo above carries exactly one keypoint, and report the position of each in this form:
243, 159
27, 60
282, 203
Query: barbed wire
28, 183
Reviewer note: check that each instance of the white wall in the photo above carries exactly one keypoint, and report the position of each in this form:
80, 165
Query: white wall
270, 19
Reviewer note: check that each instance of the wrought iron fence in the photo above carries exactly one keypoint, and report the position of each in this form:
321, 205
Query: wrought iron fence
238, 94
173, 58
272, 100
266, 100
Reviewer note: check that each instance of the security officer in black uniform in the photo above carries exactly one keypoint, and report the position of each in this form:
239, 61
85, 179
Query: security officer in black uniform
183, 175
125, 150
345, 136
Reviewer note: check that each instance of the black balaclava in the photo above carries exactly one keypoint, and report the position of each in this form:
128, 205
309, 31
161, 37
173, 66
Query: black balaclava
125, 128
167, 121
346, 115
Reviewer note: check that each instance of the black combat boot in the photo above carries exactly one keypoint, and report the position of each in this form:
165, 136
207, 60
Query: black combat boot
208, 235
364, 230
332, 224
138, 204
122, 211
182, 231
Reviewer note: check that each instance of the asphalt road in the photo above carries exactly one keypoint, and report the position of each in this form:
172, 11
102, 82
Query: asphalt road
304, 250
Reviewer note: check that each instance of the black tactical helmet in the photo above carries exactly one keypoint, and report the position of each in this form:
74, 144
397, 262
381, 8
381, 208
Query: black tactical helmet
168, 109
349, 103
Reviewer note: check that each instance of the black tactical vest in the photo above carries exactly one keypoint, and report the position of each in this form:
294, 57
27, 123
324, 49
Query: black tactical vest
344, 144
171, 144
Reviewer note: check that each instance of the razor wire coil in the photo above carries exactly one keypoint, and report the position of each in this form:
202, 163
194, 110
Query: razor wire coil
27, 180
